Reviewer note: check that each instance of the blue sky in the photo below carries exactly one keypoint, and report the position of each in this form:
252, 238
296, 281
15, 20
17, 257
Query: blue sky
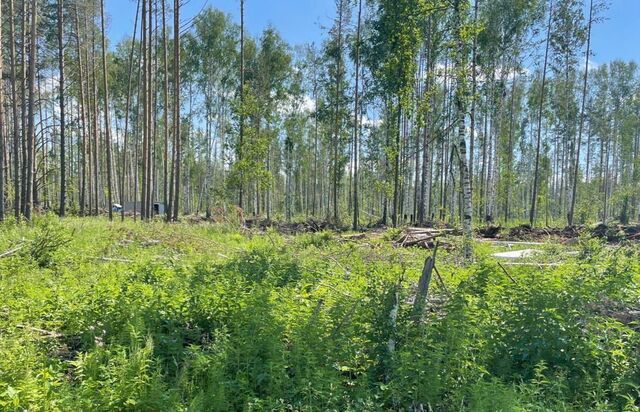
299, 21
302, 21
618, 37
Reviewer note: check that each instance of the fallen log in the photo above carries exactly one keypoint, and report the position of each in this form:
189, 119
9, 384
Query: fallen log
413, 242
11, 252
107, 259
509, 244
531, 264
419, 237
353, 237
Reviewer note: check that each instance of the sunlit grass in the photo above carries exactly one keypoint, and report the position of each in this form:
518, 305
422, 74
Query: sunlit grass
132, 316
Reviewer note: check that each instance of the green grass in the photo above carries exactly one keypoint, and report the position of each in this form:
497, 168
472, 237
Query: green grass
99, 317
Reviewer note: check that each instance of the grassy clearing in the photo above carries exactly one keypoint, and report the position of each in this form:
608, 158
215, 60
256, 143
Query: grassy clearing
99, 316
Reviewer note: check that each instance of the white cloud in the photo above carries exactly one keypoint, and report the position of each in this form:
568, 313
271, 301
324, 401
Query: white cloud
592, 65
308, 104
368, 122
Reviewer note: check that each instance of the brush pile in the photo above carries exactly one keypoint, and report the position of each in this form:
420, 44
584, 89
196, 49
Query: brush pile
420, 237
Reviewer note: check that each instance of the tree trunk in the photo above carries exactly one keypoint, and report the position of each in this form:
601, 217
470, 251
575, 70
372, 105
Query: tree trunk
239, 149
63, 162
153, 98
126, 114
107, 120
148, 200
24, 100
356, 111
509, 165
425, 184
315, 138
2, 127
574, 194
396, 167
474, 85
176, 104
82, 109
14, 111
165, 94
336, 120
460, 98
145, 110
31, 134
96, 133
536, 174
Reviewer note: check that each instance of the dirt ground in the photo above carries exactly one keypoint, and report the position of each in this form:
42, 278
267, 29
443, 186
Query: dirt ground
612, 233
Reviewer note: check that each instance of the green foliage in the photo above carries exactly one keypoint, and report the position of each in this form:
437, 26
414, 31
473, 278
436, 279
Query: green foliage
395, 45
120, 378
49, 236
204, 318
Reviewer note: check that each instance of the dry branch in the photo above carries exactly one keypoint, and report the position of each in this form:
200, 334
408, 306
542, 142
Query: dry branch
531, 264
107, 259
11, 252
44, 333
506, 273
442, 284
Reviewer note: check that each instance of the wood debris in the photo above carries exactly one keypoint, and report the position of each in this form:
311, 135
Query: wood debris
11, 252
108, 259
511, 244
420, 237
44, 333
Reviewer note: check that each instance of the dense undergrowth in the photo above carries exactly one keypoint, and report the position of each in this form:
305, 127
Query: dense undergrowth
99, 317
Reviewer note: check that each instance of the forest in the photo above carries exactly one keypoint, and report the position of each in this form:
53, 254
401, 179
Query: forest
486, 110
434, 208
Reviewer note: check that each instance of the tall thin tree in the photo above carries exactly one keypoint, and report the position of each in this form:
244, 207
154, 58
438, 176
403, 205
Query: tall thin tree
165, 62
94, 119
24, 103
239, 149
83, 118
63, 160
148, 193
356, 123
31, 133
2, 127
127, 114
536, 175
460, 99
574, 194
336, 114
145, 108
474, 90
107, 120
176, 105
14, 111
